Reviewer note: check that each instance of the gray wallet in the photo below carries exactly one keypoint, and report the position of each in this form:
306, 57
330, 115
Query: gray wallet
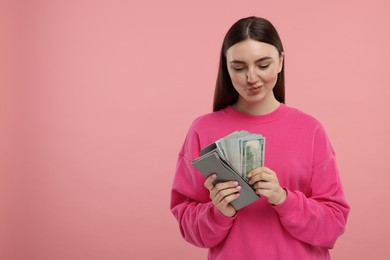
210, 162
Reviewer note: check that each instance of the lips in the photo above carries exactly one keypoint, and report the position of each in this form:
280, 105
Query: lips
254, 89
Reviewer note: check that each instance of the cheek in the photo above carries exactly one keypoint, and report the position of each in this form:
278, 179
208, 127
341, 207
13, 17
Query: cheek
238, 79
270, 76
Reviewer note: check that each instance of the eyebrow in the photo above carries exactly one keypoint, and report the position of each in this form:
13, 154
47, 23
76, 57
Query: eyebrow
259, 60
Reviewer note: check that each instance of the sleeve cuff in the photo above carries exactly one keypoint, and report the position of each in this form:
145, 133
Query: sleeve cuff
289, 204
219, 218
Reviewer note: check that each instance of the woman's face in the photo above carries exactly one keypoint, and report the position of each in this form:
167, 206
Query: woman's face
253, 68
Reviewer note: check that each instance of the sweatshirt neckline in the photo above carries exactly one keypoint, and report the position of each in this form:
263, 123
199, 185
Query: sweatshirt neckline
256, 119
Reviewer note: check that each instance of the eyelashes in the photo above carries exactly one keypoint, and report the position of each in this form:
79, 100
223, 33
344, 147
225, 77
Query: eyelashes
261, 67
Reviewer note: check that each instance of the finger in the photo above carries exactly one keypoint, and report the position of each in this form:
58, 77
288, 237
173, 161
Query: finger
222, 189
264, 185
209, 181
227, 200
226, 196
259, 170
266, 175
226, 185
255, 171
260, 177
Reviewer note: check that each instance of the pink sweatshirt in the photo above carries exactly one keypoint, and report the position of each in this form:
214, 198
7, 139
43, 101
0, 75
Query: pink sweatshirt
305, 226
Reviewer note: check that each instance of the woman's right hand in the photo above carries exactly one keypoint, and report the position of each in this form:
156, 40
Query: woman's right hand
222, 194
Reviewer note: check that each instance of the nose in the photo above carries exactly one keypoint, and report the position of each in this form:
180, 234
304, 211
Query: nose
252, 77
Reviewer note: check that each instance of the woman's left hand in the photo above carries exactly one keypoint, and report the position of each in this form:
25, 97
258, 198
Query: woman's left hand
266, 183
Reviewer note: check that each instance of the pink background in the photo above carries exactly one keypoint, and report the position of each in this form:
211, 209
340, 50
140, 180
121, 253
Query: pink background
97, 96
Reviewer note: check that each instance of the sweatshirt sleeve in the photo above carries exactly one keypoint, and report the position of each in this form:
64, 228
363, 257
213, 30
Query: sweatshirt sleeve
200, 222
318, 216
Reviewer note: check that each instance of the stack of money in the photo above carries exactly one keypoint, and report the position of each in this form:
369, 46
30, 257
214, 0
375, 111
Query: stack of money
232, 158
243, 151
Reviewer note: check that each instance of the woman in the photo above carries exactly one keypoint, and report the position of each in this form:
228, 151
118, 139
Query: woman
302, 208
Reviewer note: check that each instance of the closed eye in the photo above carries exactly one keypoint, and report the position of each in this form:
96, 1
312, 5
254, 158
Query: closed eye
263, 67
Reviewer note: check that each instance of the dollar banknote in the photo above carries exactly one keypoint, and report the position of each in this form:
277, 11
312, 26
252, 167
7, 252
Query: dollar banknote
242, 150
252, 154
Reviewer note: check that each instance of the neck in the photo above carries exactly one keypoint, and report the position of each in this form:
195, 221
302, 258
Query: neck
257, 109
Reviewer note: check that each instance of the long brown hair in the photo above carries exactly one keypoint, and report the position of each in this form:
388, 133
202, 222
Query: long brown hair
254, 28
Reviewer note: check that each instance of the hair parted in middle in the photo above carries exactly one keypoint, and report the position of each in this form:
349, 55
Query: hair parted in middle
255, 28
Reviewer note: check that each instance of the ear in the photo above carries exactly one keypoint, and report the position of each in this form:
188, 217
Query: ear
281, 59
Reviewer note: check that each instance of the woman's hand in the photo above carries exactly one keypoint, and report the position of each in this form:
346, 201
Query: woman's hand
222, 194
266, 183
